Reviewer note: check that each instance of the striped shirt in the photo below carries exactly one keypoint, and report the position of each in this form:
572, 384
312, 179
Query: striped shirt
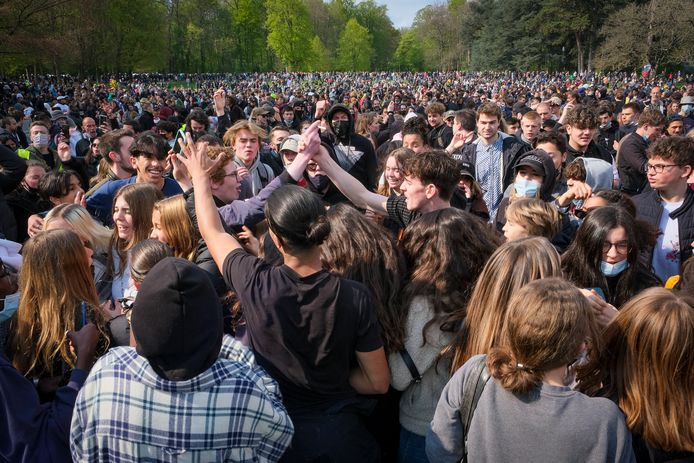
231, 412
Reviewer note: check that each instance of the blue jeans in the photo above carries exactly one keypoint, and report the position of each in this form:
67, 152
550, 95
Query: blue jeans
411, 448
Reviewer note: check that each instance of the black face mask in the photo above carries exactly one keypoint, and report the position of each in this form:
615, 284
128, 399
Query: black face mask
341, 129
319, 182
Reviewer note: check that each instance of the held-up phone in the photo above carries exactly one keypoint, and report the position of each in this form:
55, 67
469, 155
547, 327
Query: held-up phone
100, 119
599, 292
180, 135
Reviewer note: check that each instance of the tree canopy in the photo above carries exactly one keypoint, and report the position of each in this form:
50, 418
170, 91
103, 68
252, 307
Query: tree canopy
193, 36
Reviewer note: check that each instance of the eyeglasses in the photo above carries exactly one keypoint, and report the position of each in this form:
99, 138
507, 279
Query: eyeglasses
659, 168
234, 174
312, 167
622, 247
87, 244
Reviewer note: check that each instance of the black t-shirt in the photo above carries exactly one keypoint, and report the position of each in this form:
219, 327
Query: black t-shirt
304, 331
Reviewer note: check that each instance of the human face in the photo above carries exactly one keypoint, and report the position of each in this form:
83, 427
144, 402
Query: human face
95, 147
580, 138
512, 128
89, 127
415, 193
392, 173
123, 219
545, 112
37, 129
616, 246
604, 118
450, 121
230, 187
413, 142
196, 127
676, 128
246, 146
74, 188
514, 231
655, 94
526, 173
288, 157
627, 115
530, 128
434, 119
593, 202
288, 115
149, 168
557, 156
33, 176
487, 127
277, 138
671, 175
158, 233
653, 132
123, 157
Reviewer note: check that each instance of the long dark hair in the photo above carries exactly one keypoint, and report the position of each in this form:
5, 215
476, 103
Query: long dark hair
360, 250
297, 218
445, 252
581, 262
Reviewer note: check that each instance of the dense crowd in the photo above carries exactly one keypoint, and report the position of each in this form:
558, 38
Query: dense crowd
319, 267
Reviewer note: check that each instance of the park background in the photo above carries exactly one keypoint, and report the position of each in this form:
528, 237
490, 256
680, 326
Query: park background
96, 37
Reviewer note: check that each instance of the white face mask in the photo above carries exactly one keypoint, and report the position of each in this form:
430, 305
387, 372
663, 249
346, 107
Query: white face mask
40, 140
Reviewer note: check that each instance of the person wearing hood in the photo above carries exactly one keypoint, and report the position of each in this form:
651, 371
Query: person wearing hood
584, 177
184, 389
535, 175
25, 199
354, 152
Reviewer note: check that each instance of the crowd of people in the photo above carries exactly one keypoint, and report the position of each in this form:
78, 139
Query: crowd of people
328, 267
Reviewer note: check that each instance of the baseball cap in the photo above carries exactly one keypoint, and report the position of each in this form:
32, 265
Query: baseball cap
291, 143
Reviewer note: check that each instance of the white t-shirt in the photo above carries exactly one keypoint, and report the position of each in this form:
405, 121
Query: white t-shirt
666, 255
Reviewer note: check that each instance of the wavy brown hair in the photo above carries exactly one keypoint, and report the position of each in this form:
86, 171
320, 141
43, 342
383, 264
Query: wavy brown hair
360, 250
647, 366
178, 226
546, 324
445, 251
511, 267
54, 281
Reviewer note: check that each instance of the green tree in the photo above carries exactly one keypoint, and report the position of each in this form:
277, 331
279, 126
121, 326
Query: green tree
321, 58
384, 37
409, 56
289, 32
354, 52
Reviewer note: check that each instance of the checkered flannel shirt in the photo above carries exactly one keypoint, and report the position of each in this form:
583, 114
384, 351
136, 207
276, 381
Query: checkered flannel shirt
231, 412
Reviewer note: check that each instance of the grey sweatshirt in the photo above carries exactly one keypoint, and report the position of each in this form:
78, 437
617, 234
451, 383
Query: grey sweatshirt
418, 400
552, 424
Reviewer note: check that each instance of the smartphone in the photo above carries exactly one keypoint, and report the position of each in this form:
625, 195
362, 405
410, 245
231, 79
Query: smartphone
100, 119
599, 292
180, 135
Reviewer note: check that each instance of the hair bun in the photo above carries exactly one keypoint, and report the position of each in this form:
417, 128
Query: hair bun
318, 231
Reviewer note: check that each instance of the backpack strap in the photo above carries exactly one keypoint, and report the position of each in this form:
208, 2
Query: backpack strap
409, 363
476, 381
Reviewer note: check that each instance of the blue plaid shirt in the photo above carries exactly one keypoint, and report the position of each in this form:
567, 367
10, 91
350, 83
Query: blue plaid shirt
127, 413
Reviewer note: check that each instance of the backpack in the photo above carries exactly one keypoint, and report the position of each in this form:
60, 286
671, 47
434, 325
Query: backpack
479, 376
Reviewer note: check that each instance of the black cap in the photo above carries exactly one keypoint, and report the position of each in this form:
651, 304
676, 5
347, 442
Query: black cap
467, 169
177, 320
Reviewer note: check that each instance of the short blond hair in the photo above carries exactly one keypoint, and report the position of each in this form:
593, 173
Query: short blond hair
536, 216
230, 134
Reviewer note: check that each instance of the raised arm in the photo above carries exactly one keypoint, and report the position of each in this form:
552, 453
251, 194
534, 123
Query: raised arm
350, 186
199, 165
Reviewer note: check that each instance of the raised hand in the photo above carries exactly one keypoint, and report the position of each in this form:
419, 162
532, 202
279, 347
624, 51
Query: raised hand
64, 151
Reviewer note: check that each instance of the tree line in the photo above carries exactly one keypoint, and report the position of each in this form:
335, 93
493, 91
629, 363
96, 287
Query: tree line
92, 37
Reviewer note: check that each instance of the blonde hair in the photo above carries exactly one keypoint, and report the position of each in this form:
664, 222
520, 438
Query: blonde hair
538, 217
230, 135
546, 323
82, 223
648, 367
178, 226
55, 279
511, 267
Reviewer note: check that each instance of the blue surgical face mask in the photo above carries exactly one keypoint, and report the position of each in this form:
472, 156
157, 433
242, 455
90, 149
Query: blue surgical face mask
611, 270
578, 203
11, 304
526, 188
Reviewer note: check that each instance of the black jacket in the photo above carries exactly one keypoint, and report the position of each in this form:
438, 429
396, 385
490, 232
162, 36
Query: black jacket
13, 170
594, 151
631, 164
649, 208
511, 148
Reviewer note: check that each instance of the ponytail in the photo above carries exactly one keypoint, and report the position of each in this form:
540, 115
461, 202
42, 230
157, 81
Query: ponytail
513, 375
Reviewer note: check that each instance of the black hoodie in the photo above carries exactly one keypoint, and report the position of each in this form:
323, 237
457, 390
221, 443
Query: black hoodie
356, 154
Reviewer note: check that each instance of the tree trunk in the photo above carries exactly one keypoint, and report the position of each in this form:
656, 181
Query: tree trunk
579, 53
649, 35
